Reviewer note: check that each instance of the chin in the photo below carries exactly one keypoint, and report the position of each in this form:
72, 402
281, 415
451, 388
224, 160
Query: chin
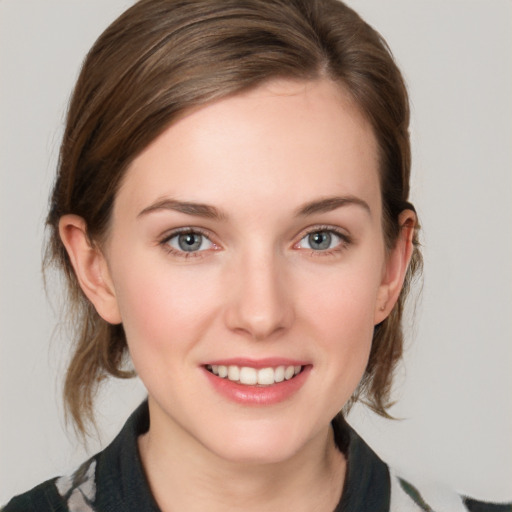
260, 442
256, 453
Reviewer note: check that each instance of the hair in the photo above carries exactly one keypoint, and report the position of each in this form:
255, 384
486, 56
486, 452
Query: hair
163, 57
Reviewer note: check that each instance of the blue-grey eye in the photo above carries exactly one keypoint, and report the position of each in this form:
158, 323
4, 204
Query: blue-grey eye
190, 242
320, 240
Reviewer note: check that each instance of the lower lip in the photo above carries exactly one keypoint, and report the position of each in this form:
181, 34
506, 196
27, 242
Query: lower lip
258, 395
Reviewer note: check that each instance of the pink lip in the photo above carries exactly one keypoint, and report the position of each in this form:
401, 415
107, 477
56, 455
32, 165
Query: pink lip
258, 395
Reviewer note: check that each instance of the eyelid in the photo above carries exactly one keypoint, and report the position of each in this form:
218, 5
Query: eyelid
169, 235
183, 231
345, 239
342, 233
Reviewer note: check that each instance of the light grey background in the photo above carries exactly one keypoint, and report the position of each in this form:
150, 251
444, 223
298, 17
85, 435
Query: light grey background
455, 387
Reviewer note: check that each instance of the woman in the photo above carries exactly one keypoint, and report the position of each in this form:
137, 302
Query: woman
231, 210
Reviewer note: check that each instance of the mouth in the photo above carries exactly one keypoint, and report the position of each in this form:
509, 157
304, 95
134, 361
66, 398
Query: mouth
249, 376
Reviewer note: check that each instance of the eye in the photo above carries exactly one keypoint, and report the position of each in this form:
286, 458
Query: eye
321, 240
189, 241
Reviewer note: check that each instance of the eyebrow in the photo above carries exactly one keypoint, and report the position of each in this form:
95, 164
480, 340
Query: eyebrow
186, 207
329, 204
207, 211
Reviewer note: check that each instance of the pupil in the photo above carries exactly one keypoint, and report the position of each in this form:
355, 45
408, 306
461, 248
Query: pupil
189, 242
320, 240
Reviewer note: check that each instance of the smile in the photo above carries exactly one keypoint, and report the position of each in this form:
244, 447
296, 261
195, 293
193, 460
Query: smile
249, 376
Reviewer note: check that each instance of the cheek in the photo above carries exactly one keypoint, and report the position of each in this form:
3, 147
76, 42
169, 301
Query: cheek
342, 299
344, 326
163, 311
340, 318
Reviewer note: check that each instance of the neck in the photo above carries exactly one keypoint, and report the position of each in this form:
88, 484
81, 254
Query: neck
184, 476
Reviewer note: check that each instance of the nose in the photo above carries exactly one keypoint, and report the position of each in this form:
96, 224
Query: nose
260, 299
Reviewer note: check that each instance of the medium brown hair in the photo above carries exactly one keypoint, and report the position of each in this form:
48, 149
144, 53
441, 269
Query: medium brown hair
162, 57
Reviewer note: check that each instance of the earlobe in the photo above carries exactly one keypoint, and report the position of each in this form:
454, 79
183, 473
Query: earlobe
396, 267
90, 267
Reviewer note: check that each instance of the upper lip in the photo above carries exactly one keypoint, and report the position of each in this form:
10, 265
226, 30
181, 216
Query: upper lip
266, 362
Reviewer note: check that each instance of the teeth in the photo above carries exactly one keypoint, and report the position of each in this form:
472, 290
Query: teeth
289, 372
248, 376
279, 374
252, 376
233, 373
266, 376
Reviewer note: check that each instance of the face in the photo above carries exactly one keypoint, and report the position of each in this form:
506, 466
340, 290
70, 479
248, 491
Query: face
248, 265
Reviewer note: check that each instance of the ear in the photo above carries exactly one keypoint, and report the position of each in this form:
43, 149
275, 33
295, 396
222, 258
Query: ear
396, 267
90, 267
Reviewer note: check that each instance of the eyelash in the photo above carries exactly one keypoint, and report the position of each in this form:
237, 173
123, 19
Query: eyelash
185, 231
345, 241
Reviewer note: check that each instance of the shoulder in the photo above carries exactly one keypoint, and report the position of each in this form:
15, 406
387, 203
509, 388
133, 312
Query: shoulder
65, 494
42, 498
113, 479
372, 485
430, 497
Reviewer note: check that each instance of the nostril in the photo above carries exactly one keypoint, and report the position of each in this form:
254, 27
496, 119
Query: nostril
259, 306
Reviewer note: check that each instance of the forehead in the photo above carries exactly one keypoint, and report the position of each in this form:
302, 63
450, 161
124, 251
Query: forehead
285, 139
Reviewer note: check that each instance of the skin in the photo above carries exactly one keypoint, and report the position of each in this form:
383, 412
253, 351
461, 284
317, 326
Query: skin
256, 288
